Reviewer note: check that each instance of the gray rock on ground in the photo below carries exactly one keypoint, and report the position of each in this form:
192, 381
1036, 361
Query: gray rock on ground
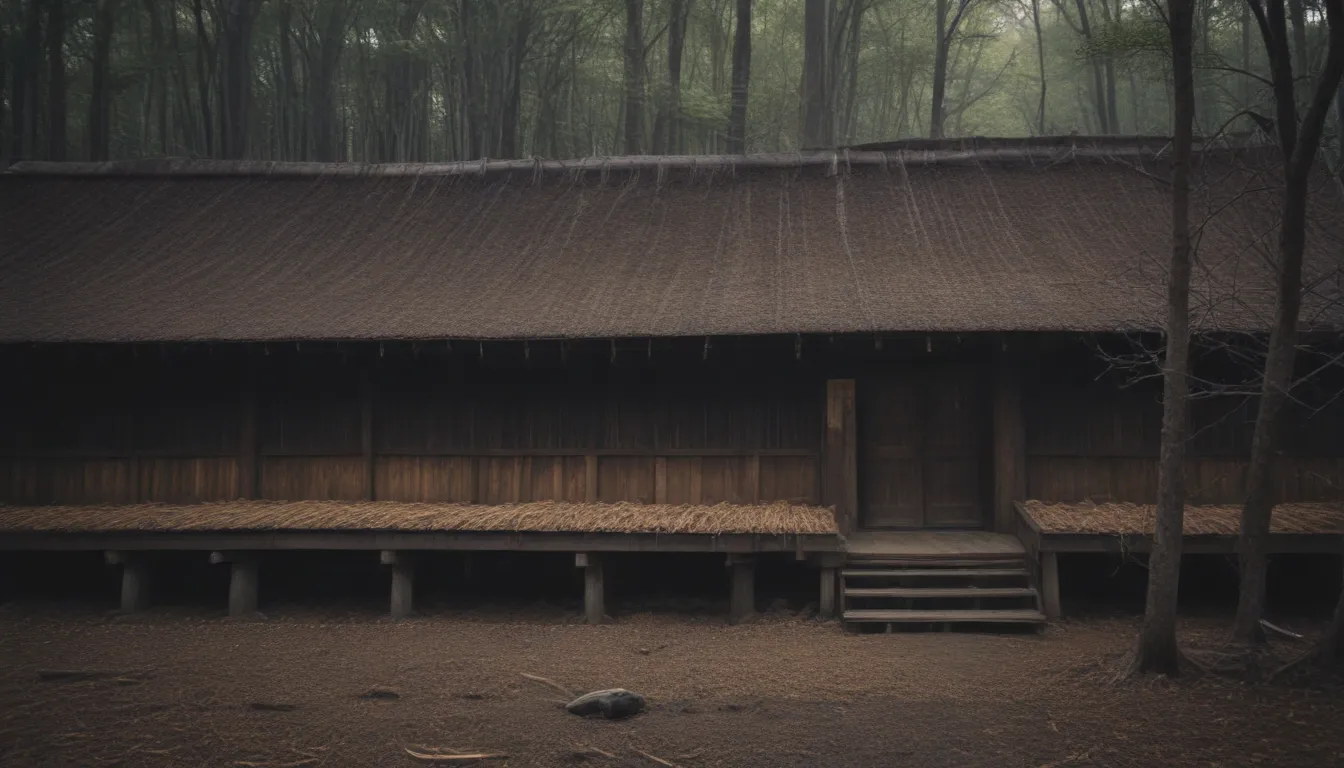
612, 703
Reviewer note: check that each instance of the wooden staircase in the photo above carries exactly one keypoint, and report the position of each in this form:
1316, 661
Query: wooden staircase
937, 592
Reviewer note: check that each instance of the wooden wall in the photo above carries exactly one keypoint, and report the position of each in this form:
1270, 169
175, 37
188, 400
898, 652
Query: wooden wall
481, 424
1092, 435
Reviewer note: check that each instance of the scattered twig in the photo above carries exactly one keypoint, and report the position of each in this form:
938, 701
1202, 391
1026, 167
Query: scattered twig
551, 683
429, 758
291, 764
72, 675
583, 750
1070, 759
1280, 630
654, 758
691, 755
268, 706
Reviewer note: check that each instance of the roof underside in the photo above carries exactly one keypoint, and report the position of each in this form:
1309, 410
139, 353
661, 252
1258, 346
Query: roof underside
1072, 244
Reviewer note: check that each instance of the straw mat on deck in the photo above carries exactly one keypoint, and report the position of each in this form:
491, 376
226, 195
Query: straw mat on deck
1213, 519
541, 516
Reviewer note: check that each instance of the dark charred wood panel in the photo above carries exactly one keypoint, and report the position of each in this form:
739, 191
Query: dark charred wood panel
789, 478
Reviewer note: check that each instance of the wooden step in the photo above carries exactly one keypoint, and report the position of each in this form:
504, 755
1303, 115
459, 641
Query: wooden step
888, 573
1021, 616
932, 592
928, 562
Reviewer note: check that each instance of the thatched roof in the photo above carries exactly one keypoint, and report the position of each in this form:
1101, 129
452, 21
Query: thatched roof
1125, 519
541, 516
960, 237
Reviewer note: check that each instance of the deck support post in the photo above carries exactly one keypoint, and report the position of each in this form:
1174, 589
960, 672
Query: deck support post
742, 594
134, 579
243, 581
826, 608
594, 586
1050, 585
403, 582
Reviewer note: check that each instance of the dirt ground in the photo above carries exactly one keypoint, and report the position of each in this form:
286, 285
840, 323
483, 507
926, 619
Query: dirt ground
780, 691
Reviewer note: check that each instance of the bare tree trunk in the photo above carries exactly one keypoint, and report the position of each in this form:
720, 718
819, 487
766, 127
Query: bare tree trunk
1040, 58
676, 43
56, 80
1301, 57
236, 82
204, 76
817, 122
100, 102
1246, 82
849, 117
1330, 649
27, 83
940, 49
1157, 651
522, 30
737, 119
1098, 84
1298, 144
634, 77
4, 74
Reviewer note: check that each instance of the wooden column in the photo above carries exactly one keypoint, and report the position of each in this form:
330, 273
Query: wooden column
403, 582
366, 431
594, 587
134, 579
243, 580
826, 607
742, 595
1050, 585
249, 474
754, 478
1010, 450
841, 481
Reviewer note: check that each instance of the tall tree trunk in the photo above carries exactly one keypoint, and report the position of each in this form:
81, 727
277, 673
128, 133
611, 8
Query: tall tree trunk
522, 30
1112, 104
471, 119
1157, 651
1298, 143
4, 74
1246, 82
236, 77
100, 101
1301, 57
27, 84
737, 119
940, 50
1098, 78
1330, 649
633, 106
204, 75
56, 109
818, 124
676, 42
849, 116
1040, 59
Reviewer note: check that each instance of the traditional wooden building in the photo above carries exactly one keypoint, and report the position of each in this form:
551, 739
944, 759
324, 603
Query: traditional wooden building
917, 366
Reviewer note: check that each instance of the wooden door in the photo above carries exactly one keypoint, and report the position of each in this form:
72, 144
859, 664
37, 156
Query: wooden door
920, 450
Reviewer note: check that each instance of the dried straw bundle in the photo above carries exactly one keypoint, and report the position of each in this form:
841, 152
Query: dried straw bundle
1123, 518
541, 516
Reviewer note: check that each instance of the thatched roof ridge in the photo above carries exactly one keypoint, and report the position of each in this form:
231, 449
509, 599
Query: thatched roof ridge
910, 152
961, 237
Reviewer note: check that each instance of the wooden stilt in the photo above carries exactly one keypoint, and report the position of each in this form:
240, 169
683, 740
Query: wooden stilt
403, 583
742, 598
826, 609
134, 580
242, 581
594, 587
1050, 585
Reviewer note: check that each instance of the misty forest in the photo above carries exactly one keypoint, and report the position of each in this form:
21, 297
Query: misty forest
412, 80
